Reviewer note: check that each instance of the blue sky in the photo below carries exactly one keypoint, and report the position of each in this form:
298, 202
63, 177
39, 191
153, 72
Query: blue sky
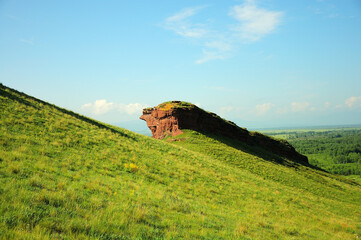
261, 63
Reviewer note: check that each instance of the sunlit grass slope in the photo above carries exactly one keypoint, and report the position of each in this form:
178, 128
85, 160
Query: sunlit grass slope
64, 176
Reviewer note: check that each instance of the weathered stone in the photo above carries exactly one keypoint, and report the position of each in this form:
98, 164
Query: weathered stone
168, 119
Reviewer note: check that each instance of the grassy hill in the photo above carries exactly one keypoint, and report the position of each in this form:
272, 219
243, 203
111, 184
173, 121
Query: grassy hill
64, 176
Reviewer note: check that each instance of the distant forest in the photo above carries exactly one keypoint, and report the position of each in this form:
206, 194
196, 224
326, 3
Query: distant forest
335, 150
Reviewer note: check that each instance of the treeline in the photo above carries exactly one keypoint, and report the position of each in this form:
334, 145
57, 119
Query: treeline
337, 151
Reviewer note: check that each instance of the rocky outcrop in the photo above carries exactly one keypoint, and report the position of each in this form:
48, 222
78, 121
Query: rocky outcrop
169, 118
162, 122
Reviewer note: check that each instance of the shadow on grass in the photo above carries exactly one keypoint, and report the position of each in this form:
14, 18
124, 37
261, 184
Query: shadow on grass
260, 152
274, 158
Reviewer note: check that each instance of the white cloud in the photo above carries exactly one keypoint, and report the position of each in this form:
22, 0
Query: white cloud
29, 41
254, 22
299, 106
219, 45
208, 56
264, 108
217, 49
131, 108
327, 104
180, 16
181, 25
353, 102
100, 107
324, 9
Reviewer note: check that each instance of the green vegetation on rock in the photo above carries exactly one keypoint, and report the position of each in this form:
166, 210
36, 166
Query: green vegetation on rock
65, 176
175, 104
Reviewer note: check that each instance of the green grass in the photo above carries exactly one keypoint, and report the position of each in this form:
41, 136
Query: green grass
356, 178
173, 105
176, 104
64, 176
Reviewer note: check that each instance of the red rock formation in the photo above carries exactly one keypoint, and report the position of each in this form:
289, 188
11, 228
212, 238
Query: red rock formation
168, 119
161, 122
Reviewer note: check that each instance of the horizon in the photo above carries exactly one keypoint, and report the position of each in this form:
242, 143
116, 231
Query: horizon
139, 127
262, 64
144, 130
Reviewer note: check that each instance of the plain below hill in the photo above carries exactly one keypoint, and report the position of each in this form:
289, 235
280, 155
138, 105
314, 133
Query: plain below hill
336, 149
66, 176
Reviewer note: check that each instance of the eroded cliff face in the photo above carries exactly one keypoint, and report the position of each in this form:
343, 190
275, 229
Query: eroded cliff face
168, 119
161, 122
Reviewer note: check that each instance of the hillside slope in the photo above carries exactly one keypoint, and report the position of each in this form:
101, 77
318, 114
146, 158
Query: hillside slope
65, 176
